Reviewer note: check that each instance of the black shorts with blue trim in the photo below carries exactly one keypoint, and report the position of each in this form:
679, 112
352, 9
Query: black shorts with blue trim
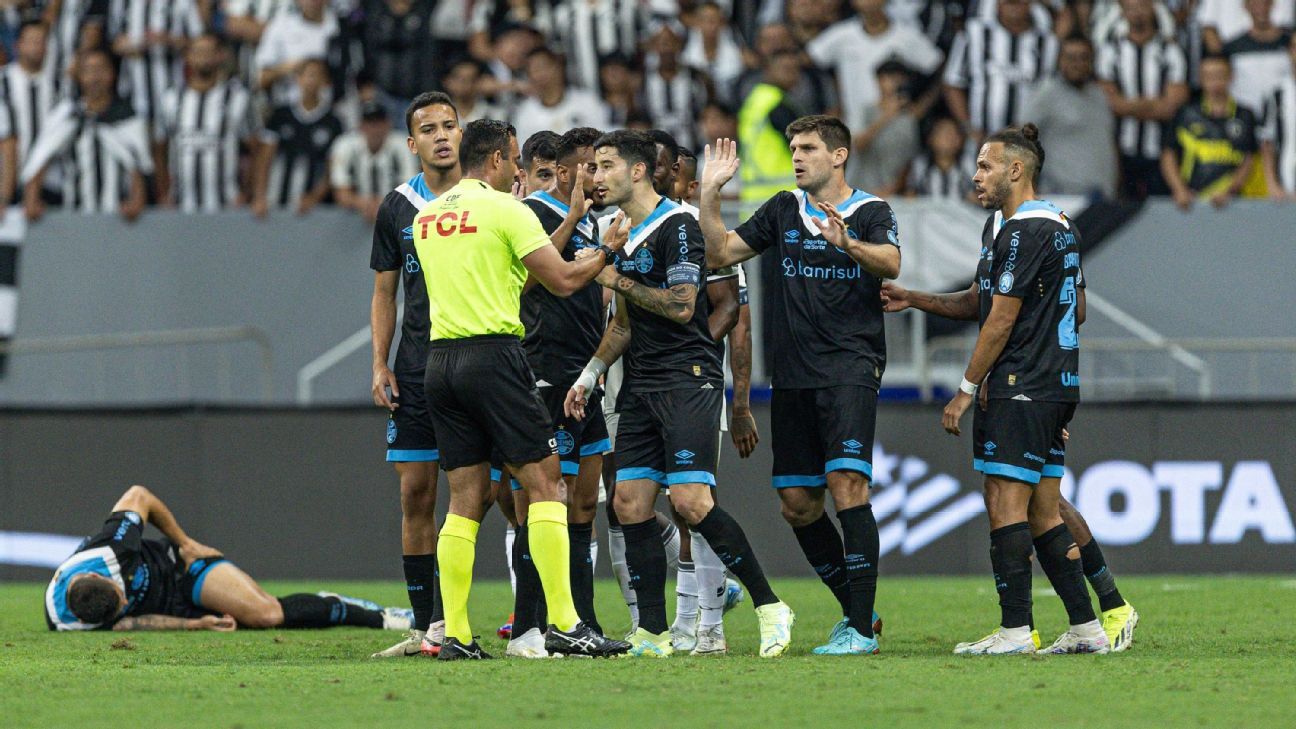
669, 436
576, 439
410, 438
1020, 439
819, 430
189, 602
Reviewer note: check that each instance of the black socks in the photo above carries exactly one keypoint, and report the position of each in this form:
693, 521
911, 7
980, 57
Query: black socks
582, 572
528, 604
730, 545
1064, 572
646, 561
1010, 557
860, 538
822, 546
1100, 578
420, 582
304, 610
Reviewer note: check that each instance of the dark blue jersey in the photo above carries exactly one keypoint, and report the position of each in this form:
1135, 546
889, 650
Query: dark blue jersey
1034, 256
562, 333
666, 250
393, 250
826, 312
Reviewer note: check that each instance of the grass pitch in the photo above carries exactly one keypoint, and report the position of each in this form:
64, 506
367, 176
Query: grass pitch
1210, 651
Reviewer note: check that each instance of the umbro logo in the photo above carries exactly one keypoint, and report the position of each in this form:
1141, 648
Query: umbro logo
408, 233
852, 443
990, 447
684, 457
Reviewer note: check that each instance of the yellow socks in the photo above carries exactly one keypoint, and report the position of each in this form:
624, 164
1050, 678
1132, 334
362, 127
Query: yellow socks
456, 551
550, 552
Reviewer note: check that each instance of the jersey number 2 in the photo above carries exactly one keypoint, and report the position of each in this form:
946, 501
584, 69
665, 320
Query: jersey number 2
1067, 337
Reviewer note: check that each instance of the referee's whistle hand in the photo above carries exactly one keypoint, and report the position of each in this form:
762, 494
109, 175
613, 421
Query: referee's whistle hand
574, 405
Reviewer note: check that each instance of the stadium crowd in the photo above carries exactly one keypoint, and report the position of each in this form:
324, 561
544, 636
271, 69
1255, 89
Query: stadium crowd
116, 105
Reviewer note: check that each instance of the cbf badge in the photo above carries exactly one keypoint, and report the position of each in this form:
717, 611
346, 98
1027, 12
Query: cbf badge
391, 431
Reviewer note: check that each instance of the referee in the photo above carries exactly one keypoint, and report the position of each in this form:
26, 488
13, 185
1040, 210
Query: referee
477, 244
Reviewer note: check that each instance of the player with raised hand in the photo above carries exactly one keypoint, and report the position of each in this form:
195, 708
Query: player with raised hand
670, 400
1028, 297
835, 245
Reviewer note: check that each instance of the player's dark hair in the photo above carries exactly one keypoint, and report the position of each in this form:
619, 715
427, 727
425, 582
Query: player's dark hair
1078, 37
633, 147
1023, 143
664, 138
575, 139
831, 130
1217, 57
688, 162
481, 139
427, 98
541, 145
92, 601
35, 22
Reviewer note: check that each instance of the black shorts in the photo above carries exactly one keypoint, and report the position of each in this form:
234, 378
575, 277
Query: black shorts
575, 439
410, 438
1020, 439
483, 399
187, 603
820, 430
669, 437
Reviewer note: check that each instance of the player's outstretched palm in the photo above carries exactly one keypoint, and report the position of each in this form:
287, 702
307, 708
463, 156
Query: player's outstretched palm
832, 227
721, 163
894, 297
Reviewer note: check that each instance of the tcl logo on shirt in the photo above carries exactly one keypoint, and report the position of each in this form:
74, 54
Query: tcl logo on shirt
447, 223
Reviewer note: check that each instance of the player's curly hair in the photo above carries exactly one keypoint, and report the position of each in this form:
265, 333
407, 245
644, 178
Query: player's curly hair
574, 139
1022, 143
92, 601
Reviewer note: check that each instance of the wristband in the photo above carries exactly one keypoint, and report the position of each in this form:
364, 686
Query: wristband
609, 256
967, 387
589, 376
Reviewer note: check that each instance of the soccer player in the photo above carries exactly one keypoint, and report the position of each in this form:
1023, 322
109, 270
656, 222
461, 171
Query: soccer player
670, 403
434, 134
1028, 298
835, 245
119, 580
540, 160
477, 245
700, 582
561, 334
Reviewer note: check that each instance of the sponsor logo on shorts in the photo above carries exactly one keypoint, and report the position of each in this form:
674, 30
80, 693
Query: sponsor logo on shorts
1032, 457
684, 457
1070, 379
565, 442
1056, 452
391, 431
990, 447
852, 446
553, 445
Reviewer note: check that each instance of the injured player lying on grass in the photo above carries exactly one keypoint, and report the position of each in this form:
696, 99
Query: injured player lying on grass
119, 580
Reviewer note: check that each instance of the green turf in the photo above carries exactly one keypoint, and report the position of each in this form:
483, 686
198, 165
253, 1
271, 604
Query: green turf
1211, 651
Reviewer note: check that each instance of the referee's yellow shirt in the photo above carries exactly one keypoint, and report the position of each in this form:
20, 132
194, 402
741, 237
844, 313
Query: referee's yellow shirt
471, 241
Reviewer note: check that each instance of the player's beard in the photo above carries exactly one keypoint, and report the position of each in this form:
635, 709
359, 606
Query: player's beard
996, 195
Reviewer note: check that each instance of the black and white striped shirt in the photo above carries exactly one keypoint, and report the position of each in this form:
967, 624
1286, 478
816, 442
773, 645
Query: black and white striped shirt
73, 15
998, 70
28, 100
366, 173
926, 178
1279, 129
204, 130
302, 140
674, 105
149, 76
1141, 71
100, 153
